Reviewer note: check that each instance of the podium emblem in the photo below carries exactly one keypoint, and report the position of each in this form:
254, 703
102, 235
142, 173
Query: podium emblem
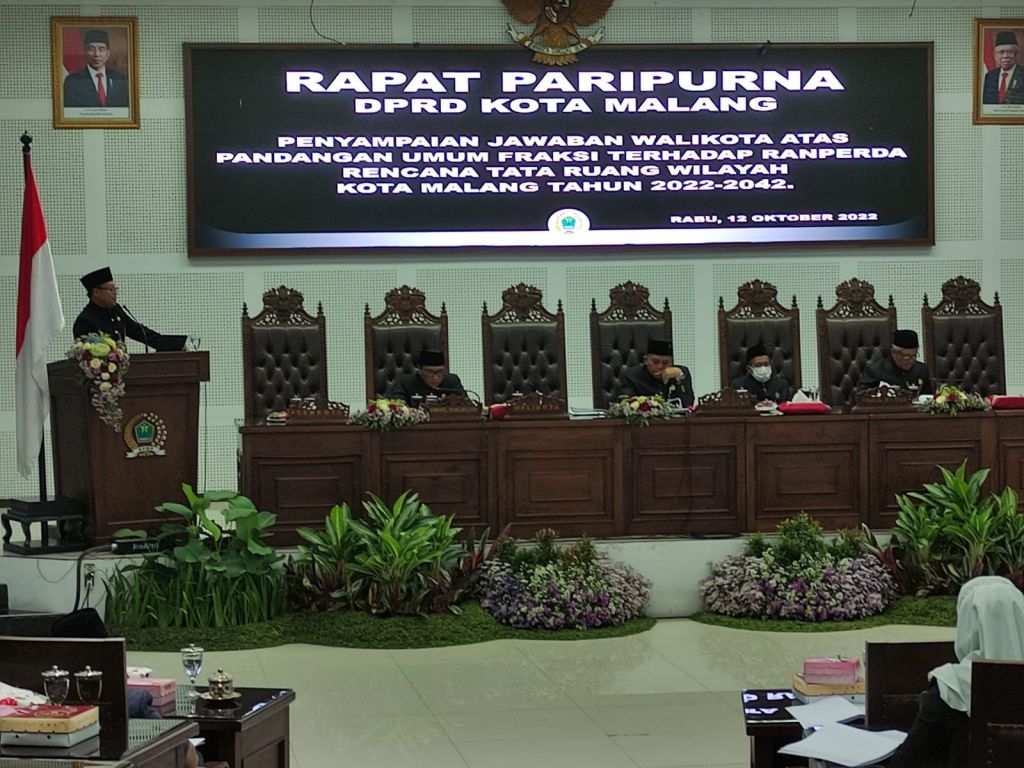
145, 434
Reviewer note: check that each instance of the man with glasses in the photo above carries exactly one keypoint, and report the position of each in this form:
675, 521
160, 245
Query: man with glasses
430, 380
104, 315
900, 368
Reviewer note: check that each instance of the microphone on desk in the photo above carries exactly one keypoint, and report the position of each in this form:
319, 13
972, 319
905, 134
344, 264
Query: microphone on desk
145, 341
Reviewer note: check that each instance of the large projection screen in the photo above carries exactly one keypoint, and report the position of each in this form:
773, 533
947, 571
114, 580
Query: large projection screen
293, 149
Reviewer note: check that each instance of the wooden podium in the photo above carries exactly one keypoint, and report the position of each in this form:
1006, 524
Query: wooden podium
121, 476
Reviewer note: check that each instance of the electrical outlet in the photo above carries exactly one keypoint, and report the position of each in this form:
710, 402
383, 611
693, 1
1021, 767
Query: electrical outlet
88, 575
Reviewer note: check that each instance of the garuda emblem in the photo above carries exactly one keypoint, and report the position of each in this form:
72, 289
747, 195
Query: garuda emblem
554, 39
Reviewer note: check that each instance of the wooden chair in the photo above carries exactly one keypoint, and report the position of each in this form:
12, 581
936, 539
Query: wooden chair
997, 714
619, 336
399, 333
856, 332
758, 318
963, 339
524, 347
284, 353
24, 659
897, 674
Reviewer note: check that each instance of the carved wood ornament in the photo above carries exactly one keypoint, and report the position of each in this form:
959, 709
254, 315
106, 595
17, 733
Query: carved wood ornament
283, 306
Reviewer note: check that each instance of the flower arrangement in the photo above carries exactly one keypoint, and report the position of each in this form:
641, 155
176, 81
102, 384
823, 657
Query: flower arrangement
103, 363
801, 576
572, 588
953, 400
385, 415
641, 410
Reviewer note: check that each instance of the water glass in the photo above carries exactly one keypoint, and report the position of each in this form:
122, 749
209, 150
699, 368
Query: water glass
192, 662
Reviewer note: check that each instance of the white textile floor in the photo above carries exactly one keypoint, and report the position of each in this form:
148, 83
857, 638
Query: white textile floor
663, 699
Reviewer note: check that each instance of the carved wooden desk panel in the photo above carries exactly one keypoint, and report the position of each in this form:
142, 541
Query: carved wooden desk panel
687, 476
812, 464
906, 449
704, 475
451, 466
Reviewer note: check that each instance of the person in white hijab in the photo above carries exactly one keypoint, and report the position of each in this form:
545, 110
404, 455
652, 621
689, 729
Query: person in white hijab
989, 625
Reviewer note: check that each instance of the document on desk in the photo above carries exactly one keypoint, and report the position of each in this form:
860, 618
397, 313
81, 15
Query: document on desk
846, 745
830, 709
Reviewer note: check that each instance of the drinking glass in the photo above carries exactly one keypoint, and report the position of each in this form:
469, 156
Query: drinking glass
192, 661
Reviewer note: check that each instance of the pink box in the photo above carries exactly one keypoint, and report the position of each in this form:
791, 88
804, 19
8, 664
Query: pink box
824, 671
161, 689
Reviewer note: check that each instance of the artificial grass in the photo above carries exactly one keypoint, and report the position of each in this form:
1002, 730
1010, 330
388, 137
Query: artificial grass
934, 611
355, 629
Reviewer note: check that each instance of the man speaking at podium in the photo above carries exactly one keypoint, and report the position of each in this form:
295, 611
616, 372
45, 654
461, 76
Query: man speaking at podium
104, 315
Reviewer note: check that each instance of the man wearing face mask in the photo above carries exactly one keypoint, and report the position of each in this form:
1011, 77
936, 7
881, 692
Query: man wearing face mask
760, 380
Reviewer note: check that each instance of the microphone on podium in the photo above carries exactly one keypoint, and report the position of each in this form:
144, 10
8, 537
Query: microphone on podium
145, 341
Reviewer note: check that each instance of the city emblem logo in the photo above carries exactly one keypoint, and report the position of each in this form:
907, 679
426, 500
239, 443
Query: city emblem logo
145, 434
568, 221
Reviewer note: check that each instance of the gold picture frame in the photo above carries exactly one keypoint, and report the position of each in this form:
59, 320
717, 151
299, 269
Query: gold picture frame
95, 71
999, 71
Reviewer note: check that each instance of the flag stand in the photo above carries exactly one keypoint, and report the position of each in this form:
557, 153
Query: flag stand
68, 514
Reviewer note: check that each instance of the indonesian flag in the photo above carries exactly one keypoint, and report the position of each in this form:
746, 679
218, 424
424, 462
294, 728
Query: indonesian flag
40, 319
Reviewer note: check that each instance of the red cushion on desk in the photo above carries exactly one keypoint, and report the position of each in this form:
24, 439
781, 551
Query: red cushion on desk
815, 407
1007, 402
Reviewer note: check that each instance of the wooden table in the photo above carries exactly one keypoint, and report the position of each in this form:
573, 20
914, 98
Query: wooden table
252, 734
700, 476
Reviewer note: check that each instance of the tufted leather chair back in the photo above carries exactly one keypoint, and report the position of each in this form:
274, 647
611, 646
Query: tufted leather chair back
619, 336
524, 347
284, 351
963, 339
856, 332
395, 337
758, 318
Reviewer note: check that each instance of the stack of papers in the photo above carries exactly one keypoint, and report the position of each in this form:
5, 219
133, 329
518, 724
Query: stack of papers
831, 709
847, 746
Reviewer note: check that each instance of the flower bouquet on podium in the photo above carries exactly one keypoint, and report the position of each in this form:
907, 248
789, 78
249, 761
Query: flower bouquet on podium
385, 415
103, 362
641, 410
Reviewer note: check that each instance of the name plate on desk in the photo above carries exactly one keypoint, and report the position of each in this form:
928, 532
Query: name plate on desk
316, 411
726, 402
884, 400
536, 406
454, 408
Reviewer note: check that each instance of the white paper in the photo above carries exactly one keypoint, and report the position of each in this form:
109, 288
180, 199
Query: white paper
847, 746
830, 709
198, 741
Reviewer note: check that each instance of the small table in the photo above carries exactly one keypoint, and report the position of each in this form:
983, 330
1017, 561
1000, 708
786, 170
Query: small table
770, 726
254, 728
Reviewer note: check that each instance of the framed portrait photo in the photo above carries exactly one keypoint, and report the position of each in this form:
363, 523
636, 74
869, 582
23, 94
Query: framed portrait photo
95, 71
998, 71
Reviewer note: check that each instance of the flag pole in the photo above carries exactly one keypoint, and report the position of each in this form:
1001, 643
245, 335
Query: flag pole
26, 150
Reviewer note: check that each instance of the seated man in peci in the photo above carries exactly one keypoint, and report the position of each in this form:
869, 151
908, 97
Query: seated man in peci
430, 380
760, 380
900, 368
658, 375
104, 315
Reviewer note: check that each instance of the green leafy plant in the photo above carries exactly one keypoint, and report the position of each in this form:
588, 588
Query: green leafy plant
799, 536
207, 574
952, 531
402, 559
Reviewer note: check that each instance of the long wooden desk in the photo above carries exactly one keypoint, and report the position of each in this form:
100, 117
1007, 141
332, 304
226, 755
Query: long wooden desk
700, 476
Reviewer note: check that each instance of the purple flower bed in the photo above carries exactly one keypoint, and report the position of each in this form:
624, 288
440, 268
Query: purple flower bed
563, 595
822, 587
